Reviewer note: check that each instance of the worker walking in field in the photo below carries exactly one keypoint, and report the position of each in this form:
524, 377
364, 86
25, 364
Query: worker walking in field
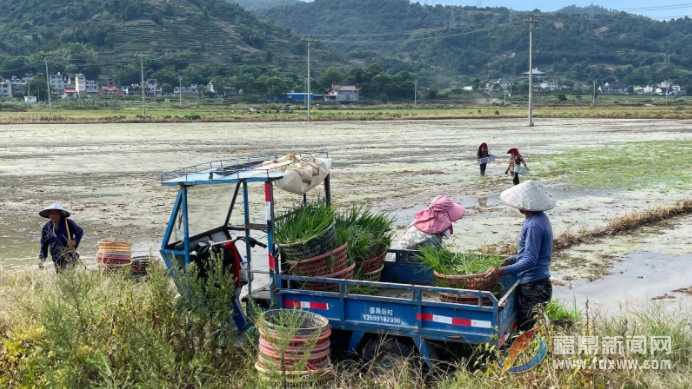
515, 161
431, 224
483, 153
535, 249
61, 237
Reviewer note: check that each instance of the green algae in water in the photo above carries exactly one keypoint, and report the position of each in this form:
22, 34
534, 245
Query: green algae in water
640, 165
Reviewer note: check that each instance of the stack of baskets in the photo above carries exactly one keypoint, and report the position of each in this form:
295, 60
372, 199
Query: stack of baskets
318, 257
472, 282
297, 356
371, 268
114, 258
140, 265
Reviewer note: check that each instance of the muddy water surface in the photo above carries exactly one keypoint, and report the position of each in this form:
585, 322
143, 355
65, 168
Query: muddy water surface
107, 175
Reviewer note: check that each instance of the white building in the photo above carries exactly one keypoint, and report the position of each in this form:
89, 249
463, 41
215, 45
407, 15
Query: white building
6, 88
342, 93
78, 81
152, 88
91, 86
19, 84
550, 85
58, 83
193, 89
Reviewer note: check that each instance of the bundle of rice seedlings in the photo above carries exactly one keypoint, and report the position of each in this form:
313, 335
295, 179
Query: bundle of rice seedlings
304, 222
363, 229
444, 261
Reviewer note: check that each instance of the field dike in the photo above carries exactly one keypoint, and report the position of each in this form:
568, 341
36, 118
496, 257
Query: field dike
620, 225
80, 330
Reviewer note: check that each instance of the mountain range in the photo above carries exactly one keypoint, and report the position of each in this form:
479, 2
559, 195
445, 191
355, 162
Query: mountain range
452, 45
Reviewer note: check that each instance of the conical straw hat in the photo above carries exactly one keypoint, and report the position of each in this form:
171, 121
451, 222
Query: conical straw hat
528, 196
56, 207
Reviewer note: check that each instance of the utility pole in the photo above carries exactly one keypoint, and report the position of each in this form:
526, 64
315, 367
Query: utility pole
141, 67
531, 19
50, 101
667, 90
180, 90
593, 102
308, 40
504, 93
415, 93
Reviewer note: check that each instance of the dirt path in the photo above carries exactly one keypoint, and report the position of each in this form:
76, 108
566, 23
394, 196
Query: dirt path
107, 174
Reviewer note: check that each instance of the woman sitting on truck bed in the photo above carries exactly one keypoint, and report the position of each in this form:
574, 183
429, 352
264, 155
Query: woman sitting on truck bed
431, 224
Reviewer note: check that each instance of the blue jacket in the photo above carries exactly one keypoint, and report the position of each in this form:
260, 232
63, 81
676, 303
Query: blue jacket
56, 239
532, 262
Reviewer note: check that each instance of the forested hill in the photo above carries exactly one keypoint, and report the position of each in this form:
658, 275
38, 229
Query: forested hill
252, 5
493, 42
195, 38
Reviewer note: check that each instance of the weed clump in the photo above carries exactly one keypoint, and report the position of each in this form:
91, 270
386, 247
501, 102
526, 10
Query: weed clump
91, 331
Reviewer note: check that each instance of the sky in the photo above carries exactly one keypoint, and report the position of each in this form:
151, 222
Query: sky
662, 9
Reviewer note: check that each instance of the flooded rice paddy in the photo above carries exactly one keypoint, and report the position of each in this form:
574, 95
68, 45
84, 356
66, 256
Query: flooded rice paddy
108, 176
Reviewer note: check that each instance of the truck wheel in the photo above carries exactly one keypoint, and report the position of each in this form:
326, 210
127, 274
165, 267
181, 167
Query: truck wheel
387, 354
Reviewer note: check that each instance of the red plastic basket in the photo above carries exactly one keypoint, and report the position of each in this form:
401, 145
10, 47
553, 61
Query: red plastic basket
346, 274
317, 356
372, 264
328, 263
113, 259
467, 299
297, 341
471, 281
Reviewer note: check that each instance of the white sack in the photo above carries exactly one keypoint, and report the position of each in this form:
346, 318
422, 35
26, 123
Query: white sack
301, 173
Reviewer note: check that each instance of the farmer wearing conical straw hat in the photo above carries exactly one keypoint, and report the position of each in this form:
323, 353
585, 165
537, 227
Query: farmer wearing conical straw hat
532, 262
61, 236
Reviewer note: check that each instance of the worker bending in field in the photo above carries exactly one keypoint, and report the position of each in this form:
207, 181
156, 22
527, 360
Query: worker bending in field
61, 236
535, 249
515, 161
431, 224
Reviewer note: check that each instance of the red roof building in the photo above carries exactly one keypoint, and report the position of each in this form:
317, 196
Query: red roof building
110, 90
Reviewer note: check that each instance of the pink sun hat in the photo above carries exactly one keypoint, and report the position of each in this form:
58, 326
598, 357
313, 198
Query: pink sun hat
439, 216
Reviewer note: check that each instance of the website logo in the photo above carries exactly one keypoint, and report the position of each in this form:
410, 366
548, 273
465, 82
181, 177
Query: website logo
520, 344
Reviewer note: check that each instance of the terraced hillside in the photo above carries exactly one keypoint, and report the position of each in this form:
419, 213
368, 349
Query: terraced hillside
97, 37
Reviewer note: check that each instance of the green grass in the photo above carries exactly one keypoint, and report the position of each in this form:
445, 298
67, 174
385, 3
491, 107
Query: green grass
557, 310
659, 164
129, 109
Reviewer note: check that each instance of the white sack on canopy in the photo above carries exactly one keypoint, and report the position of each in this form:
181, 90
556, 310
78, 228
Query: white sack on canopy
301, 173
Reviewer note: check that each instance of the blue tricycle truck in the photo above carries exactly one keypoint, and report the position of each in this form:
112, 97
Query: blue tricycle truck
403, 316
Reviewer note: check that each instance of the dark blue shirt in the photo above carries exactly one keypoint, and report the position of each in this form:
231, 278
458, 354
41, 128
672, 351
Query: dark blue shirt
55, 238
532, 262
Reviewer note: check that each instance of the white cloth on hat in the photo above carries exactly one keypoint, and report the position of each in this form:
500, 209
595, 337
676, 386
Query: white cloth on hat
528, 196
54, 207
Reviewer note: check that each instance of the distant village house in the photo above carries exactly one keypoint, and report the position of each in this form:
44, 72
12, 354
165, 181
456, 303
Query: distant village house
342, 93
537, 74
